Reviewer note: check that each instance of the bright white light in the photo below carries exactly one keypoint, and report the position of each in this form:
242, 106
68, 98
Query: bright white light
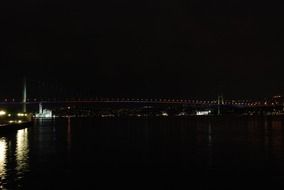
165, 114
203, 112
2, 113
20, 114
44, 114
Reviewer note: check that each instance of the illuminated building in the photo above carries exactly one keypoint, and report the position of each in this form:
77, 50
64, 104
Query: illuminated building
43, 113
203, 112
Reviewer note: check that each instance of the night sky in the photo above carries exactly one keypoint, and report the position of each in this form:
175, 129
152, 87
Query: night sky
145, 48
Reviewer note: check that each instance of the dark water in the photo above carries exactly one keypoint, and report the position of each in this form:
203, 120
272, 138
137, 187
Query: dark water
94, 153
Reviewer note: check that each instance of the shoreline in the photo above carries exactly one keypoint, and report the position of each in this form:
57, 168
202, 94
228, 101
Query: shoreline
6, 128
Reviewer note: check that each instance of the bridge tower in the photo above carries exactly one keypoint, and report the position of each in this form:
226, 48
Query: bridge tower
220, 102
24, 101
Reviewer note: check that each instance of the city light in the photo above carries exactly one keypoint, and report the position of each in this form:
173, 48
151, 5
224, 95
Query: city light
203, 112
165, 114
15, 121
2, 113
21, 114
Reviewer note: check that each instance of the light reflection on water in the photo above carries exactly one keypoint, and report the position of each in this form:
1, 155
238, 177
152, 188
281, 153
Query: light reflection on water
183, 144
14, 159
3, 162
3, 152
22, 151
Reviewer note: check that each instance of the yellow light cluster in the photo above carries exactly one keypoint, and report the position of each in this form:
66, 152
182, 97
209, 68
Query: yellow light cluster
22, 114
15, 121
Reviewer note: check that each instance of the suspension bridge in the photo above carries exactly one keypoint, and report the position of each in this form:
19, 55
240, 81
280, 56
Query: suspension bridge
25, 101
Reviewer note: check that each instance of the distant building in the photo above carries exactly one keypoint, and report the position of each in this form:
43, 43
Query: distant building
43, 113
203, 112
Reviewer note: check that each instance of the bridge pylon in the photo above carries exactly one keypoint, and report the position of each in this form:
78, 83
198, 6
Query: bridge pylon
24, 101
220, 101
